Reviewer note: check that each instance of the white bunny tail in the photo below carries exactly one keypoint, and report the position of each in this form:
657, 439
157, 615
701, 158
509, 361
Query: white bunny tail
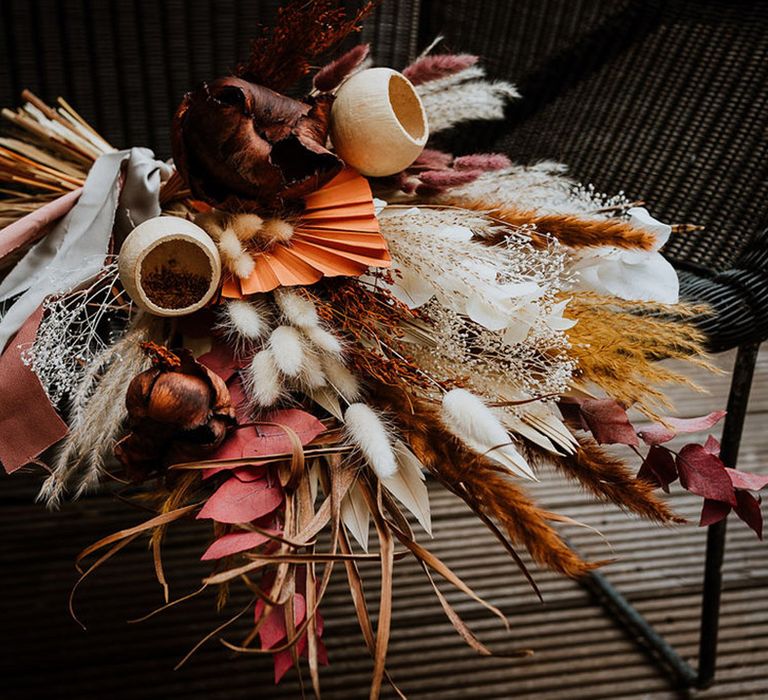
469, 419
366, 430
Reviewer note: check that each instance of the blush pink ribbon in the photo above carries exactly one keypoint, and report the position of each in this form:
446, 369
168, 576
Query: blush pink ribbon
29, 424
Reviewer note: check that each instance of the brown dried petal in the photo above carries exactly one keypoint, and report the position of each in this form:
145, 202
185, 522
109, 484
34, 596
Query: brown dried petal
179, 399
241, 146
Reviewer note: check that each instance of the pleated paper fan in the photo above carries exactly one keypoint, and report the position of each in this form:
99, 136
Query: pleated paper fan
337, 235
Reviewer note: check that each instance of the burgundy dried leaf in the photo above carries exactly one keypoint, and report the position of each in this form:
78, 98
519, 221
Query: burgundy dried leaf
331, 76
657, 433
659, 468
713, 512
240, 146
608, 422
704, 474
438, 66
748, 509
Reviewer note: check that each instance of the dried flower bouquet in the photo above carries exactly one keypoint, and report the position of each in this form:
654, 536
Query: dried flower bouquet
281, 333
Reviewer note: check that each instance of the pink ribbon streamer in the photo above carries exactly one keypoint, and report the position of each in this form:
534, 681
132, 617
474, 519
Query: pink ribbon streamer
29, 424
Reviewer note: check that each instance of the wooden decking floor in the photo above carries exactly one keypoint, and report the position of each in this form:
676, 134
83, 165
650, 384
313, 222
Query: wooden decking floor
579, 652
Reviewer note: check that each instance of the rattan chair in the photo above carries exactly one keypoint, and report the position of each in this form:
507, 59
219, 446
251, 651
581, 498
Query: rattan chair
665, 100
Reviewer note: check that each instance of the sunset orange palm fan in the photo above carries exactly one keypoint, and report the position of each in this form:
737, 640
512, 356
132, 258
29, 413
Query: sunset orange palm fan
336, 235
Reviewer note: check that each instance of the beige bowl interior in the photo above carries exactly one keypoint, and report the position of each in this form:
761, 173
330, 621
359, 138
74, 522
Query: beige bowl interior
407, 108
176, 255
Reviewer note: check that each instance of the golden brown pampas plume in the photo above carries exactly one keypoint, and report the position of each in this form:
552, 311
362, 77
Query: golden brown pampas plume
573, 231
619, 350
608, 478
477, 480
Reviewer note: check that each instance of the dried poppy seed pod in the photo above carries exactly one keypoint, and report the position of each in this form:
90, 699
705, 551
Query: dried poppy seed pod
177, 407
244, 147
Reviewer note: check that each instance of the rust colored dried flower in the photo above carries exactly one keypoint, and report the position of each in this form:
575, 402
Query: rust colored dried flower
177, 408
244, 147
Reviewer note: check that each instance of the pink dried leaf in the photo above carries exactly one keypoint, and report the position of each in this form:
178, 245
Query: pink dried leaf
238, 501
234, 543
438, 66
329, 77
657, 433
712, 445
704, 474
747, 481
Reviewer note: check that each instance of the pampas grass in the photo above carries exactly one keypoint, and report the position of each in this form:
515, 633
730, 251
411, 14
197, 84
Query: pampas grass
570, 230
366, 430
608, 478
469, 419
476, 479
618, 344
98, 413
464, 96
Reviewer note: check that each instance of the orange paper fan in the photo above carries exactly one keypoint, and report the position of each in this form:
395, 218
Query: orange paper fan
337, 235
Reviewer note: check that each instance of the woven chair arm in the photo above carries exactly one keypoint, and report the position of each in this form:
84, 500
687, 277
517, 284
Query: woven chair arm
738, 297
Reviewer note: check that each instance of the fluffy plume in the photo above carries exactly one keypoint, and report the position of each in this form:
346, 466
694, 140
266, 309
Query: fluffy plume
324, 340
287, 350
312, 375
570, 230
608, 478
243, 266
366, 430
242, 323
464, 96
98, 412
246, 226
487, 162
631, 344
331, 76
276, 231
262, 381
444, 179
230, 248
469, 419
429, 68
340, 378
477, 480
297, 310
